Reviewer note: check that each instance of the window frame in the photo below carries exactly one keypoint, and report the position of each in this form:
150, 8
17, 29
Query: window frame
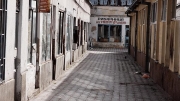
154, 11
45, 43
164, 10
173, 9
60, 32
69, 31
32, 11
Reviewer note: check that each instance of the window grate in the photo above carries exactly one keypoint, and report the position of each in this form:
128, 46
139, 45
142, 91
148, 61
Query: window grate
3, 18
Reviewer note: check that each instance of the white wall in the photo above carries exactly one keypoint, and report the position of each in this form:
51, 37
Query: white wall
10, 39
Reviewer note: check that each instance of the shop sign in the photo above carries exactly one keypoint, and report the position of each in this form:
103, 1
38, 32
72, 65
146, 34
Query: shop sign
113, 21
44, 6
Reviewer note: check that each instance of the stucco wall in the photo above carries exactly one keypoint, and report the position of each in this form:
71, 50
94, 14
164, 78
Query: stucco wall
59, 66
7, 91
10, 38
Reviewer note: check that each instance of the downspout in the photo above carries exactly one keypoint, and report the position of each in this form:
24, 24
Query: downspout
147, 36
129, 45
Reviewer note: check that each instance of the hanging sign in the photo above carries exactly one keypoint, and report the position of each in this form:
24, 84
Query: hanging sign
44, 6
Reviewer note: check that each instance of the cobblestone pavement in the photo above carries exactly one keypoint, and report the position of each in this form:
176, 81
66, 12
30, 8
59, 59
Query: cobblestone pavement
104, 75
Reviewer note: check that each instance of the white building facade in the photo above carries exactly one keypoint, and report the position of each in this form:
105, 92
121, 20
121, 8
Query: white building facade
109, 26
38, 45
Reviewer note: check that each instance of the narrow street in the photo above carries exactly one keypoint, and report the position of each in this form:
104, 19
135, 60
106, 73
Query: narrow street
103, 75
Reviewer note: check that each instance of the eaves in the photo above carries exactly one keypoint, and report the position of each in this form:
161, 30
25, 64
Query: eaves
133, 6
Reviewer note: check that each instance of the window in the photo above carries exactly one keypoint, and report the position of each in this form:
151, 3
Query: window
164, 10
60, 34
154, 12
68, 33
144, 16
17, 22
103, 33
109, 33
174, 3
85, 31
31, 29
154, 48
75, 36
46, 37
82, 29
3, 18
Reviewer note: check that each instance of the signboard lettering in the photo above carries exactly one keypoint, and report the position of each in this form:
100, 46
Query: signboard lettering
44, 6
115, 21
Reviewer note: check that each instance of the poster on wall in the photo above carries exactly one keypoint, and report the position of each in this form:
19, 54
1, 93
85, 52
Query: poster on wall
112, 21
44, 6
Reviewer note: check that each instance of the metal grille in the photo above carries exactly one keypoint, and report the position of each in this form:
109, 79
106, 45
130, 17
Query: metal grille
3, 16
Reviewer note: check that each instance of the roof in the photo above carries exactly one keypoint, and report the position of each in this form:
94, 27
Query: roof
89, 3
133, 6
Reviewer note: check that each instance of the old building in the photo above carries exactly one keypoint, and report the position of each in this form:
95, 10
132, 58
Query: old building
154, 41
39, 40
109, 23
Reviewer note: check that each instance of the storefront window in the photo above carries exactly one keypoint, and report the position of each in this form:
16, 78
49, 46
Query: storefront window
109, 33
46, 37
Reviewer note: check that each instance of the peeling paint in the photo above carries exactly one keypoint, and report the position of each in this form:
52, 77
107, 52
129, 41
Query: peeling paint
93, 28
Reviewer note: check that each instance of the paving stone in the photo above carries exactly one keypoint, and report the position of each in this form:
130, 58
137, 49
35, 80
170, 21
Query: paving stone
104, 75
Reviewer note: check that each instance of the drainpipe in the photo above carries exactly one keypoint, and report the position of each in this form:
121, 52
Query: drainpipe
147, 36
129, 33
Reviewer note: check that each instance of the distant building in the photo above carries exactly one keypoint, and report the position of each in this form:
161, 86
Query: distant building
109, 25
